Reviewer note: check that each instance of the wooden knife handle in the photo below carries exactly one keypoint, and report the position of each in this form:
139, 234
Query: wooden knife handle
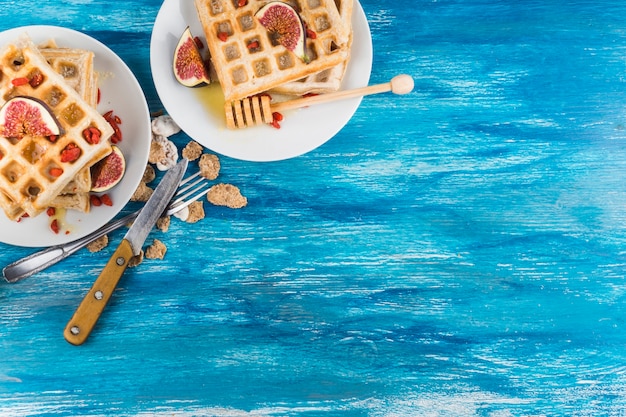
88, 312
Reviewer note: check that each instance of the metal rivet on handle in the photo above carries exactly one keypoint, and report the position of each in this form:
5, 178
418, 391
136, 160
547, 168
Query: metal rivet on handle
98, 295
120, 261
75, 330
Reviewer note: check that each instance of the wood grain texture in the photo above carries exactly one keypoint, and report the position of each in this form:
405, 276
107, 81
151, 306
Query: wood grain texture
456, 251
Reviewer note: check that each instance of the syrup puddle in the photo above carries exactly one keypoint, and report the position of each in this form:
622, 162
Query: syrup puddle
212, 99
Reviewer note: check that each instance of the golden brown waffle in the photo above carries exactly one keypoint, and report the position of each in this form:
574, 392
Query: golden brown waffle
26, 164
329, 79
76, 68
12, 210
244, 71
80, 201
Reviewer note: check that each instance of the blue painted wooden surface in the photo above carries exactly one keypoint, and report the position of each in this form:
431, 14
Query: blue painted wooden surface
458, 251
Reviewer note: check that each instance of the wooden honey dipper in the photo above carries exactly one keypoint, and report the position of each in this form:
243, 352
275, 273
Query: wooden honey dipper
257, 109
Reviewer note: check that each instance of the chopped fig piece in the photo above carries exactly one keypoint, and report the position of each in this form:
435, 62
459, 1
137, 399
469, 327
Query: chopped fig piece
27, 116
188, 65
108, 172
284, 27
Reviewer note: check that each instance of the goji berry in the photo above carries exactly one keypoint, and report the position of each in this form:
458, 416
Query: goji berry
87, 135
91, 135
55, 226
310, 34
106, 200
70, 153
114, 121
112, 118
95, 200
277, 116
242, 3
275, 124
19, 81
51, 211
223, 36
56, 172
53, 138
95, 135
117, 134
253, 45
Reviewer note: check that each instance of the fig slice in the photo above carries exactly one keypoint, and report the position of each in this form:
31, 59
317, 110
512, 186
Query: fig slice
284, 27
188, 65
28, 116
108, 172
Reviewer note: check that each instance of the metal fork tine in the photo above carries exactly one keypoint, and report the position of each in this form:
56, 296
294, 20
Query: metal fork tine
183, 186
200, 188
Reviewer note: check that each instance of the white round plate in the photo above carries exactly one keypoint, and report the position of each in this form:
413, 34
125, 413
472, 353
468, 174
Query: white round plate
120, 92
199, 111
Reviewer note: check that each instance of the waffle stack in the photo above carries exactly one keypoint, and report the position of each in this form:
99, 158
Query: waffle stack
243, 71
27, 184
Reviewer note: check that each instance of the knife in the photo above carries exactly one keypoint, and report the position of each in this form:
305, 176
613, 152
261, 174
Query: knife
88, 312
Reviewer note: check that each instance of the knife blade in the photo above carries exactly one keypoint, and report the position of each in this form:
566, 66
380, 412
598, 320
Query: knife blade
88, 312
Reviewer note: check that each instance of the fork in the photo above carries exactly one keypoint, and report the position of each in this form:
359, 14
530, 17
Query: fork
190, 189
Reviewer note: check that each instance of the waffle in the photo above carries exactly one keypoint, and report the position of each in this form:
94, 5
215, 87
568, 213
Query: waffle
25, 178
12, 210
243, 72
76, 67
329, 79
